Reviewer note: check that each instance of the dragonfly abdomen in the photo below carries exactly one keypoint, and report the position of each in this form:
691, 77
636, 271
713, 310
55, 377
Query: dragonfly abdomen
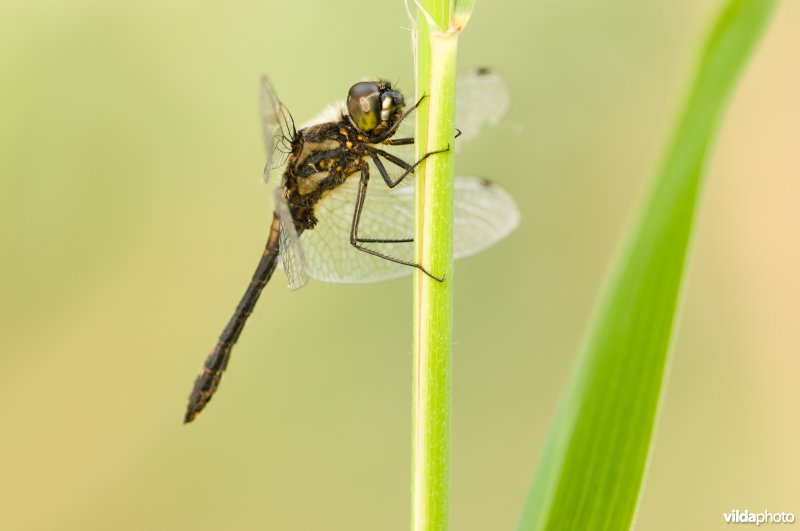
210, 375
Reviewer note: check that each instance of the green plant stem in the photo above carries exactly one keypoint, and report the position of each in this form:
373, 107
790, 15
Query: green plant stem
592, 470
433, 312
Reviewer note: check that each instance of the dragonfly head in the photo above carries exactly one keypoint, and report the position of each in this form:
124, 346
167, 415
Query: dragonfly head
374, 106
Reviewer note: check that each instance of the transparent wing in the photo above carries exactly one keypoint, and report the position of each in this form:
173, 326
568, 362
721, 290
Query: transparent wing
482, 96
292, 260
278, 128
484, 214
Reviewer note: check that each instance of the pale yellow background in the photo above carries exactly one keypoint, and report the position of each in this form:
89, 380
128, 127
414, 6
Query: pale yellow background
131, 217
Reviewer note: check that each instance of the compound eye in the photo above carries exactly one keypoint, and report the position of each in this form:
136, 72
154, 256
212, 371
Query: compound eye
364, 105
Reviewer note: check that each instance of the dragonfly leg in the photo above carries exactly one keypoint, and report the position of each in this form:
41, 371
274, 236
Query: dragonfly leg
410, 140
399, 162
356, 242
399, 141
382, 240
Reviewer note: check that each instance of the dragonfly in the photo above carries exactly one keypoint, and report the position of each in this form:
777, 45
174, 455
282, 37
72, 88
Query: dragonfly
327, 224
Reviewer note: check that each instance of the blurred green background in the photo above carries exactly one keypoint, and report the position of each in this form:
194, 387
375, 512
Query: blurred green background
133, 216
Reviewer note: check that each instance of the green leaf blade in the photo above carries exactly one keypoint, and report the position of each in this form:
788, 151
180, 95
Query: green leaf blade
592, 469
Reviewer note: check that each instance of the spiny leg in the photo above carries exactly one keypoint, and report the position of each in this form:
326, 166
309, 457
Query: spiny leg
381, 240
382, 170
409, 140
399, 162
354, 240
391, 184
399, 141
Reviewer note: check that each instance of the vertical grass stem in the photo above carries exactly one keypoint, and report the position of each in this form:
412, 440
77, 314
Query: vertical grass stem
433, 301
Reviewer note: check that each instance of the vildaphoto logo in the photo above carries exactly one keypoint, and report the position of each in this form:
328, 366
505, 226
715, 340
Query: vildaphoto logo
746, 517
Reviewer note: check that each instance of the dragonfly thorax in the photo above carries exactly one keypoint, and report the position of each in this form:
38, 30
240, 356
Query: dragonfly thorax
322, 157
